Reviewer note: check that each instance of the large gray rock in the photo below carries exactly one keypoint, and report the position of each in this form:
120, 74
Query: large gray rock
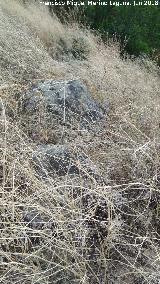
54, 159
66, 100
61, 160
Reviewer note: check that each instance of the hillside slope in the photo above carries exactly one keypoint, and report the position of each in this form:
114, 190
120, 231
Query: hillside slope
80, 166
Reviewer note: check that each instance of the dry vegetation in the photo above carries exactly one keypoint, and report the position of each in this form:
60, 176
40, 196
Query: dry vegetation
88, 232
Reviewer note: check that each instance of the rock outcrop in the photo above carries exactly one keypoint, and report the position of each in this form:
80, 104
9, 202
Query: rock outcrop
67, 101
61, 160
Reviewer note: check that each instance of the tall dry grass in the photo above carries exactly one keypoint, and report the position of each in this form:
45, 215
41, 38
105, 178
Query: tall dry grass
75, 230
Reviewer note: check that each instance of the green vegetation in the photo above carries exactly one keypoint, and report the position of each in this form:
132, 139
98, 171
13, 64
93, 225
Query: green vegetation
137, 27
140, 26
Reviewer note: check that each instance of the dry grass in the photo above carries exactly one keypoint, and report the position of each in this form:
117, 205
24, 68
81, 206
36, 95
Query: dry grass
76, 230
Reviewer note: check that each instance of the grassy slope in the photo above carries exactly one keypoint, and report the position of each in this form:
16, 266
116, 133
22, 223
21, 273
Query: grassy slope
126, 151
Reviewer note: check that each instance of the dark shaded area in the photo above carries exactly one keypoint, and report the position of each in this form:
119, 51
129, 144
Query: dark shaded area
136, 27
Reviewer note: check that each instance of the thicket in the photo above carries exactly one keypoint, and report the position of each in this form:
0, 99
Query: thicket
136, 27
76, 229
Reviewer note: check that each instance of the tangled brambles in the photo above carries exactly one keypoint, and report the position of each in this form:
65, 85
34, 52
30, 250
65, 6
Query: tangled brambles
80, 169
